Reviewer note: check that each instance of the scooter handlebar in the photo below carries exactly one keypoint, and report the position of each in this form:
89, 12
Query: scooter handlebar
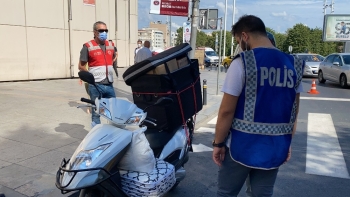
151, 122
87, 101
151, 119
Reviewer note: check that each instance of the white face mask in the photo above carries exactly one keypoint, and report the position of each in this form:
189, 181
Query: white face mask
139, 45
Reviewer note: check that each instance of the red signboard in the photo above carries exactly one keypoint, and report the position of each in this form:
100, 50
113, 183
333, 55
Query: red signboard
89, 2
169, 7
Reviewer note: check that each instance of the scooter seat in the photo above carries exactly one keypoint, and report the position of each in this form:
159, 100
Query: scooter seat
159, 138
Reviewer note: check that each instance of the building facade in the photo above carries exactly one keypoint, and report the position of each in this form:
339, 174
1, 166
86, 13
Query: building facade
158, 39
163, 28
42, 39
153, 35
174, 36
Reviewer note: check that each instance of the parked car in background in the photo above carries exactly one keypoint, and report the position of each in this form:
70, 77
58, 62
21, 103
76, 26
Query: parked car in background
210, 57
336, 68
227, 61
312, 63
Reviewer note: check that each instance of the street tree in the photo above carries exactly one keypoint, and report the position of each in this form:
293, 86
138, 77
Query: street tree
299, 38
180, 35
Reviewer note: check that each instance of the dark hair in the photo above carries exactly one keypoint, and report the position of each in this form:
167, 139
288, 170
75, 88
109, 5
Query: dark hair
249, 23
139, 41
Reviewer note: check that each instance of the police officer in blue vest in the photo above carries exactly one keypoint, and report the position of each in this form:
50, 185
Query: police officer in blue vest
257, 116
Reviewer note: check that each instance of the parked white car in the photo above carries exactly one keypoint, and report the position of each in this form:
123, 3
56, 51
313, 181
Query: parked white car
210, 57
312, 63
336, 68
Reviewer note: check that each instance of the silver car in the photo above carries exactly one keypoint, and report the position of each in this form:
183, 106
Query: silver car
336, 68
312, 63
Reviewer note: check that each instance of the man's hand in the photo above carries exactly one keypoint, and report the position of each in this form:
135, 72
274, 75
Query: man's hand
219, 155
82, 66
289, 154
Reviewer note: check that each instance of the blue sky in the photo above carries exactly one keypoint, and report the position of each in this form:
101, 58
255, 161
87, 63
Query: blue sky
277, 14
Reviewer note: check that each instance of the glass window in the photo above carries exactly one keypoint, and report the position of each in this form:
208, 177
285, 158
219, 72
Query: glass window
346, 59
330, 59
210, 53
337, 59
311, 58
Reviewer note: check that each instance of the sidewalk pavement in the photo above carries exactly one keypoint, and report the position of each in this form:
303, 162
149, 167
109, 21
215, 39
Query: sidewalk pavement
40, 125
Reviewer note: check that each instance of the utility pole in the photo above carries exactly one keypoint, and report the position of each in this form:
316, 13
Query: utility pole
225, 21
220, 59
325, 6
194, 26
233, 22
170, 37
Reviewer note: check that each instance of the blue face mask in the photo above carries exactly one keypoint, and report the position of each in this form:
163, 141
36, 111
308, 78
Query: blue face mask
102, 36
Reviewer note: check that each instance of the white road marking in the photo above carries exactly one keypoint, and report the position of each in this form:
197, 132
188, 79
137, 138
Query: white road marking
197, 148
205, 130
324, 155
324, 99
213, 121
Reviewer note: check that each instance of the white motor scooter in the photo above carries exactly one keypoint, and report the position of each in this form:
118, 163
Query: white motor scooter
93, 168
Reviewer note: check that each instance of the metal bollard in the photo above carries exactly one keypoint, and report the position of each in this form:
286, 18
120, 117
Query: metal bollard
204, 92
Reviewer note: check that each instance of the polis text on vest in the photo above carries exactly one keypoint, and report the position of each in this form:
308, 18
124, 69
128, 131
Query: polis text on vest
277, 77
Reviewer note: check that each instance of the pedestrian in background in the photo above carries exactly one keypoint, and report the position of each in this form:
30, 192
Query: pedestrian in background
144, 52
258, 112
139, 46
99, 53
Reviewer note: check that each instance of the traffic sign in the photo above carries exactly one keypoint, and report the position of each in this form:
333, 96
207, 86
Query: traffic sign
290, 49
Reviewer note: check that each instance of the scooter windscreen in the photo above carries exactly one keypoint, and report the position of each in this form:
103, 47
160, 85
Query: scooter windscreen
120, 111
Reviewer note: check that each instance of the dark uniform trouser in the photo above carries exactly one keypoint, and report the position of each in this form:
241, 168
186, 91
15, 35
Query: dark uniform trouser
232, 176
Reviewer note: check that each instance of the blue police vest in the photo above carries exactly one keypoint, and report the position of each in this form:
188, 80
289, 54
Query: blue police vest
261, 131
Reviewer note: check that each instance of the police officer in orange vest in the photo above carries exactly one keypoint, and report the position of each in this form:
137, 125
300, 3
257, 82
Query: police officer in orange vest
100, 54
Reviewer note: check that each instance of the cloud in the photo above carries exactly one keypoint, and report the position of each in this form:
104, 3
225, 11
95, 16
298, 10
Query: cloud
175, 25
302, 2
284, 16
284, 13
221, 6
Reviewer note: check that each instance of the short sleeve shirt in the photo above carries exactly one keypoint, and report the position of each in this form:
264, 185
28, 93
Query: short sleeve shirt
235, 79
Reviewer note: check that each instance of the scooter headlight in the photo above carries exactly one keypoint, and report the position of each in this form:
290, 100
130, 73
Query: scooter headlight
135, 120
84, 158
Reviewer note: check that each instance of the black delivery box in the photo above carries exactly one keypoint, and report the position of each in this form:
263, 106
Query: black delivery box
168, 74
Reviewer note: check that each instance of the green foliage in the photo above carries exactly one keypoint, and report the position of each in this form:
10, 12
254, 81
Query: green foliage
300, 37
305, 39
201, 39
280, 40
180, 35
211, 41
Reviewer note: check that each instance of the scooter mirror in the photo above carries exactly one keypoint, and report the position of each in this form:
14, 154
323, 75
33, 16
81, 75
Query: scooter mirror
87, 77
